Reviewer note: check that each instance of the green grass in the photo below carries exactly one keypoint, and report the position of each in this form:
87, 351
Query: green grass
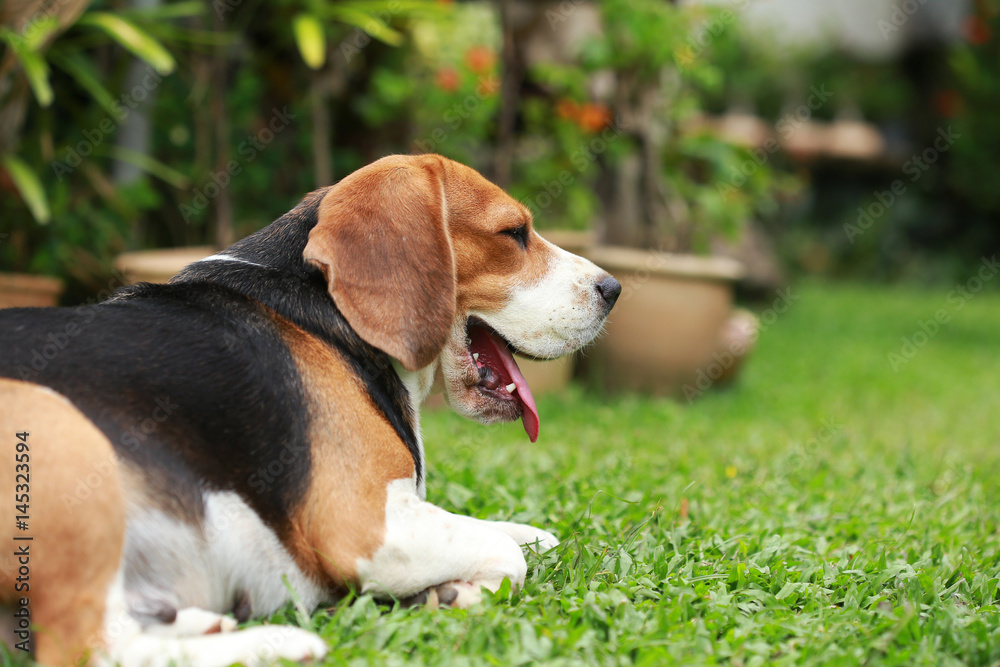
826, 510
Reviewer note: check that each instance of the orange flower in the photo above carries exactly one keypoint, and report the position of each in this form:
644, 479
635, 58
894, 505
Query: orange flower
977, 30
447, 79
567, 109
480, 59
594, 117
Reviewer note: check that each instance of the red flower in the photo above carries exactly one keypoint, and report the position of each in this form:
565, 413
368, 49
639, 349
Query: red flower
594, 117
480, 59
977, 30
447, 79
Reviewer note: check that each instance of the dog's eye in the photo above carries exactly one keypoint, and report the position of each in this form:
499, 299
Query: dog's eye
519, 234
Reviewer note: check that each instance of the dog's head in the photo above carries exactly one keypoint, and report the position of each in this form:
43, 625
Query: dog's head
430, 262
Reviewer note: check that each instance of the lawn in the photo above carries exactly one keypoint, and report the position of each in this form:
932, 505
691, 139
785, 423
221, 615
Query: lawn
828, 509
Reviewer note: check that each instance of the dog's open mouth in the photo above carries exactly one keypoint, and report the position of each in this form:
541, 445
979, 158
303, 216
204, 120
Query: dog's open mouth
499, 376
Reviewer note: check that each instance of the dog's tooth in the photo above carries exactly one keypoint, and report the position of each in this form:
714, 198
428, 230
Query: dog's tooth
511, 387
475, 356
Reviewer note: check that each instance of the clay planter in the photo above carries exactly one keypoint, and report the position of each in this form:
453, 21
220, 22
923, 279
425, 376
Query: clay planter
673, 331
159, 266
18, 290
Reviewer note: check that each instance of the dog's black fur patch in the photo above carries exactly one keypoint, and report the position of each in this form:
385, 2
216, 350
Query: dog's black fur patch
192, 381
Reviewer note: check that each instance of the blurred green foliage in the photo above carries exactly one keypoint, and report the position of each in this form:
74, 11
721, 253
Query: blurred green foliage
443, 87
72, 218
423, 75
945, 220
977, 98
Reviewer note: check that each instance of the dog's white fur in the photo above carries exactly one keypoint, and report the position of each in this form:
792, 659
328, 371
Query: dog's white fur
556, 315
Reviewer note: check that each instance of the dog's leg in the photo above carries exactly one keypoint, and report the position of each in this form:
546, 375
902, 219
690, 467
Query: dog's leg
199, 638
192, 622
425, 547
525, 535
261, 645
72, 521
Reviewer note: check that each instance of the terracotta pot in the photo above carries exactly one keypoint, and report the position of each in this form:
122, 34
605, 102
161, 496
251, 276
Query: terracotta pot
159, 266
20, 290
672, 330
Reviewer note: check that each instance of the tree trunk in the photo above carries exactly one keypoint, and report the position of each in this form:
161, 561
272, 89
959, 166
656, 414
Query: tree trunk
223, 232
512, 73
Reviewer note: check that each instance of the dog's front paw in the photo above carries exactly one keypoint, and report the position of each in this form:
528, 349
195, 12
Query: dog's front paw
266, 644
457, 594
528, 536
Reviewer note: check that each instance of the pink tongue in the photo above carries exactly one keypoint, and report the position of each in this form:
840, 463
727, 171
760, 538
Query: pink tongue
493, 352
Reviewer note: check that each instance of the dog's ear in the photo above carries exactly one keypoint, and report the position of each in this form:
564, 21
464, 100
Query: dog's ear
380, 240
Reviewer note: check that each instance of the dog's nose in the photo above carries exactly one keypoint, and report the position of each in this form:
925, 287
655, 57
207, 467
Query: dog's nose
609, 289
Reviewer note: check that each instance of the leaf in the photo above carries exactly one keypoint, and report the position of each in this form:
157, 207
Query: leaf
301, 611
504, 592
788, 589
83, 73
148, 164
370, 23
38, 33
310, 39
171, 10
34, 66
132, 38
30, 188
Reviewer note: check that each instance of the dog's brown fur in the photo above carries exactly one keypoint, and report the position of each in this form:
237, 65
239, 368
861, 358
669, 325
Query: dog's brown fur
76, 521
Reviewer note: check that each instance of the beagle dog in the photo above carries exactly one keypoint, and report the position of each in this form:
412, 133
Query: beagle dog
248, 433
